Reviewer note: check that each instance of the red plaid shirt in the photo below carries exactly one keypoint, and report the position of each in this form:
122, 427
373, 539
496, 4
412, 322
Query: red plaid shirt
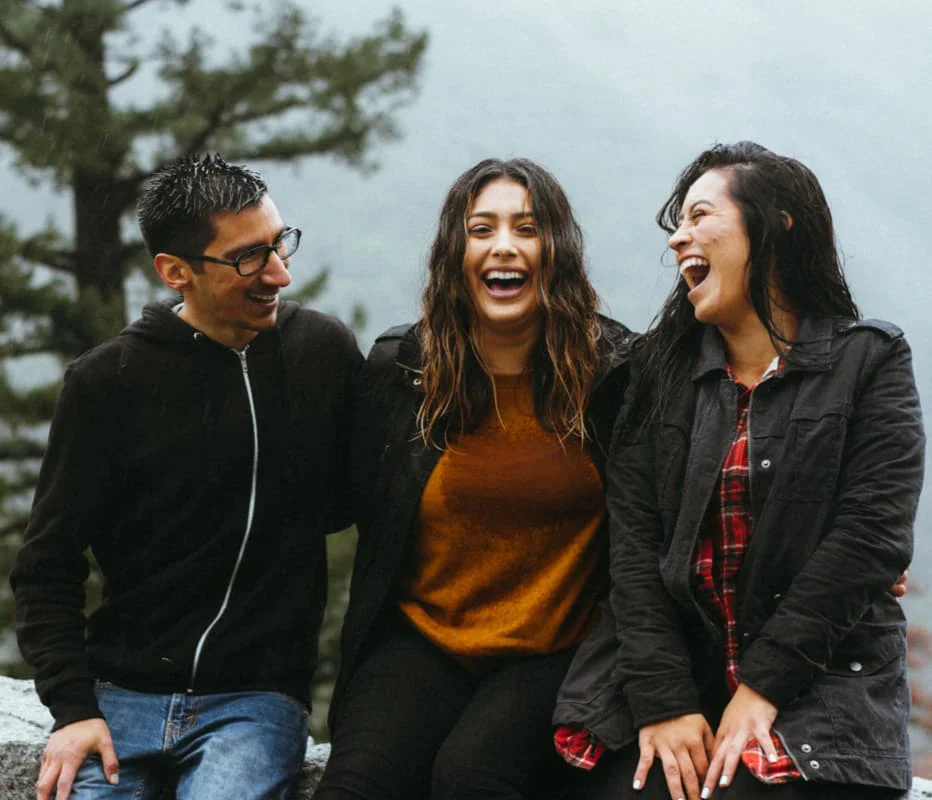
719, 555
720, 552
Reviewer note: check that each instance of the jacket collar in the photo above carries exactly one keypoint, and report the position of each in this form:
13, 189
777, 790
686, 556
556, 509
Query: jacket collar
812, 350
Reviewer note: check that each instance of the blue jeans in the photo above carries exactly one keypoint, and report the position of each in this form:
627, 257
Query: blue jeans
244, 745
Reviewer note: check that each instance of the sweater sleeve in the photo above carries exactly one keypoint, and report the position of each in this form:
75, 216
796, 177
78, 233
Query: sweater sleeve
50, 569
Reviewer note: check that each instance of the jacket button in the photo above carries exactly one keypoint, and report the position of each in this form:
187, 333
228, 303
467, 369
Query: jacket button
855, 666
806, 748
814, 764
766, 463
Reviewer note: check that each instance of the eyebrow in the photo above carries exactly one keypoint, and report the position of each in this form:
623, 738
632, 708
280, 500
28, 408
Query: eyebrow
240, 249
493, 215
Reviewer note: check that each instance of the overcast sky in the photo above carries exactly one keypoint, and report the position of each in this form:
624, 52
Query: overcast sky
615, 97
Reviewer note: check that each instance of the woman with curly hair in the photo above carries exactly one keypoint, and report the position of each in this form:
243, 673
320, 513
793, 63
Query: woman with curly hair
481, 437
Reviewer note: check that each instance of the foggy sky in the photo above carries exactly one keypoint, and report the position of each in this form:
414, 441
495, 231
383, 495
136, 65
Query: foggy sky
615, 98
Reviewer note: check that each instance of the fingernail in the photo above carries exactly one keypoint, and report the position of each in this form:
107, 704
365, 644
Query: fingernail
723, 781
705, 792
772, 758
114, 778
637, 783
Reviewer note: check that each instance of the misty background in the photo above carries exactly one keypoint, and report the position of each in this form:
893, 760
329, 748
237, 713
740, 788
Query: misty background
615, 98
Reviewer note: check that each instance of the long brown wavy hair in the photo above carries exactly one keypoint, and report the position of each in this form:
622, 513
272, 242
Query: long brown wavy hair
458, 388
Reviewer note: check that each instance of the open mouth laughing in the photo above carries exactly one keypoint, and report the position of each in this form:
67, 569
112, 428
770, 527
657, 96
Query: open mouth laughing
504, 282
694, 270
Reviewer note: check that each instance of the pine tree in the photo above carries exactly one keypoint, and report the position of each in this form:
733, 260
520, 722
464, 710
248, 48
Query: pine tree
294, 92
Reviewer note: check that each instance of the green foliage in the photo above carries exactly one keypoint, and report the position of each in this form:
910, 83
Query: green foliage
294, 91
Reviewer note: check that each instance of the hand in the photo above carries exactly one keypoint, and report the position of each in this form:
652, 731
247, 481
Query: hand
899, 588
747, 716
683, 745
65, 753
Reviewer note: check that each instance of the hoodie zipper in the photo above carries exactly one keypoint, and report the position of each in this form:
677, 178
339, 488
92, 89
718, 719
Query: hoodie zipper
241, 354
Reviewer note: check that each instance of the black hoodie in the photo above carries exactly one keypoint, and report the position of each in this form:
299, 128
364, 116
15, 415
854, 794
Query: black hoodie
207, 519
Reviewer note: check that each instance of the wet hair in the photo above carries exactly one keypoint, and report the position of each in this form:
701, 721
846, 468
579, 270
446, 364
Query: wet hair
179, 201
458, 388
792, 246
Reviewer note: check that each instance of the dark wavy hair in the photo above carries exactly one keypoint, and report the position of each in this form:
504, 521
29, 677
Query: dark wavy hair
458, 389
800, 258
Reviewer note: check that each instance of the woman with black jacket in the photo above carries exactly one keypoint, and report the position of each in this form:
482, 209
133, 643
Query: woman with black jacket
762, 493
480, 443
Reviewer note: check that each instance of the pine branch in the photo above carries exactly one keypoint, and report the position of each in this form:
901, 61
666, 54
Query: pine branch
12, 41
19, 449
128, 73
34, 249
14, 526
133, 5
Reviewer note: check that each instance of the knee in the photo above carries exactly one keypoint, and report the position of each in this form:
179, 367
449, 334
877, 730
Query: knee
457, 776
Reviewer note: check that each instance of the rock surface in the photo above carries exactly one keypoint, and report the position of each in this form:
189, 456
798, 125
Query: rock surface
25, 724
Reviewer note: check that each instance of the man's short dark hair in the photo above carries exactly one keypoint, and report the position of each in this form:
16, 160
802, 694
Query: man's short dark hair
179, 201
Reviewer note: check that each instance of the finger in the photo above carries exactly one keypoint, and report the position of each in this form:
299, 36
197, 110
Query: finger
644, 765
689, 779
700, 759
47, 777
765, 740
109, 762
671, 772
713, 773
732, 756
708, 741
65, 781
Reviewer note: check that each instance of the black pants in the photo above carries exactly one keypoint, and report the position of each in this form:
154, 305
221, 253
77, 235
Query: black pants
414, 723
612, 777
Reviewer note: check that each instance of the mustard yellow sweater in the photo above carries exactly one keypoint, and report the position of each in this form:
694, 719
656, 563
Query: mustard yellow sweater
507, 547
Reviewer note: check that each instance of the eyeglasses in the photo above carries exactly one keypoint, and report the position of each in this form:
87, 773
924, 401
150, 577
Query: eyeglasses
255, 259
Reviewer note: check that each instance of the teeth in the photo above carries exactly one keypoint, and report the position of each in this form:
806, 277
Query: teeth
503, 275
693, 261
264, 298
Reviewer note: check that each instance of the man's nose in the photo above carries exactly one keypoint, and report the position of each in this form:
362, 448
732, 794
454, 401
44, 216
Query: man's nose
276, 271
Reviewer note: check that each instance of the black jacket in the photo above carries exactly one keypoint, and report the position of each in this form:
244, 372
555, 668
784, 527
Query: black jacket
391, 466
150, 464
836, 458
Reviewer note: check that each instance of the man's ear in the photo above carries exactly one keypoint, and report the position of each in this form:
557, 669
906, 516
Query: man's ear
174, 272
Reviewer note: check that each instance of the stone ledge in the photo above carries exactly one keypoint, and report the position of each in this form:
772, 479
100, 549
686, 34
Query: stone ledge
25, 724
24, 727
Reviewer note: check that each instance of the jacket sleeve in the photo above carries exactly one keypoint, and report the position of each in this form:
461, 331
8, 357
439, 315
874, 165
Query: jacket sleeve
654, 666
869, 538
50, 569
371, 414
344, 511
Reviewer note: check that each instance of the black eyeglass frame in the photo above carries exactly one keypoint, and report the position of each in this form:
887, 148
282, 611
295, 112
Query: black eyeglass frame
235, 263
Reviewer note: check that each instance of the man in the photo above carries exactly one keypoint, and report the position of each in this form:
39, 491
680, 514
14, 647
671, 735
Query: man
201, 456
